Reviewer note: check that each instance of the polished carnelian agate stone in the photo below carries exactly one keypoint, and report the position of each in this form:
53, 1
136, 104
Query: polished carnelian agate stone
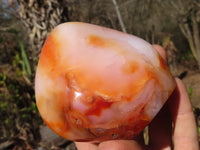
96, 84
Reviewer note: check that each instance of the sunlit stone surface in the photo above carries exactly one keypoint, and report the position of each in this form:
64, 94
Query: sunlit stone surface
95, 84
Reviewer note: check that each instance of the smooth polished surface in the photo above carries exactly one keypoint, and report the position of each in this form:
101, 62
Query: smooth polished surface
96, 84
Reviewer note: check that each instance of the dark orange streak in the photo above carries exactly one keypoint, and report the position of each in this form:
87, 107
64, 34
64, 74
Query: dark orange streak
162, 63
97, 106
131, 67
98, 41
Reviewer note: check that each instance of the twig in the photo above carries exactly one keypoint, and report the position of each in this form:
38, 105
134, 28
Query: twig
6, 144
119, 16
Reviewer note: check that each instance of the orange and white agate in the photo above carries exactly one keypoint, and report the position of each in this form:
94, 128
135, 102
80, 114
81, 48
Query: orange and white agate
96, 84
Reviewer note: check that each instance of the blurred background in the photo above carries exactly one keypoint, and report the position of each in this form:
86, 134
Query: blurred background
25, 24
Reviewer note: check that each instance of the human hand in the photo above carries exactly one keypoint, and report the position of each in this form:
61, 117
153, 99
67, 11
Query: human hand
178, 110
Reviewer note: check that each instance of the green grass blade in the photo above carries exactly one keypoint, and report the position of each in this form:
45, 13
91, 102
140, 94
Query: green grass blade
25, 63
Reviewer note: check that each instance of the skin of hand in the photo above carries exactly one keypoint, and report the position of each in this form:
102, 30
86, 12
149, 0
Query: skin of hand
176, 119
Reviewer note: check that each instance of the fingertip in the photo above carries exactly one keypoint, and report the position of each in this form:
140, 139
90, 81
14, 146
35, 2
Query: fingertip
179, 100
179, 83
161, 51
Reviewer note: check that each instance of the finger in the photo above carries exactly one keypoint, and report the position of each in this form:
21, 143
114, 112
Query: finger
160, 130
120, 145
86, 146
161, 51
185, 130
